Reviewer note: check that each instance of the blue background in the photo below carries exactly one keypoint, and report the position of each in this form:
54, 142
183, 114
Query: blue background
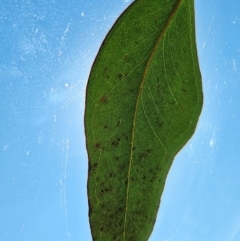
46, 52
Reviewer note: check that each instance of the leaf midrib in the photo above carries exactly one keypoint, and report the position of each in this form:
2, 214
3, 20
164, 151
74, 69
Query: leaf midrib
138, 100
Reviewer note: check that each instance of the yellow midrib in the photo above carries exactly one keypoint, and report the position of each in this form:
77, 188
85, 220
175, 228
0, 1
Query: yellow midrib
137, 103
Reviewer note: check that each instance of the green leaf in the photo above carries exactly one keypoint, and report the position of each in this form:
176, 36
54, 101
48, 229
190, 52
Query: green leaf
143, 101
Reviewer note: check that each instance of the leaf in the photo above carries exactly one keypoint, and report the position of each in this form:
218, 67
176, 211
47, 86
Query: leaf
143, 101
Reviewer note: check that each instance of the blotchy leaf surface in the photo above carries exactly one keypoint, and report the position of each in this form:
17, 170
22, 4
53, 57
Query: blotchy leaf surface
143, 101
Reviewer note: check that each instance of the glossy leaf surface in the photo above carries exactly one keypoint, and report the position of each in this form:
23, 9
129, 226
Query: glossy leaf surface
143, 101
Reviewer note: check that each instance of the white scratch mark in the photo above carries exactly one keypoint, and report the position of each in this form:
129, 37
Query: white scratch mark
234, 65
63, 186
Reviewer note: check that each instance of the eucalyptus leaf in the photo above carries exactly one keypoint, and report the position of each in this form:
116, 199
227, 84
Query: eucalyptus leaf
143, 100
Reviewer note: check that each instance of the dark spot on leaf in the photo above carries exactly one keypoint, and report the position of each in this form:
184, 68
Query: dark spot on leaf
115, 142
105, 70
103, 99
97, 145
95, 164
